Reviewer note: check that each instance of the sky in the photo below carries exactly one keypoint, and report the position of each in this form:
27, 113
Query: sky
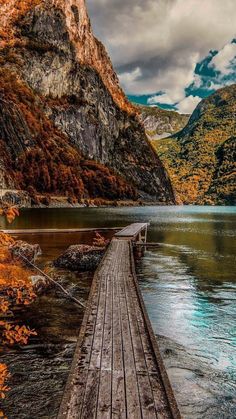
170, 53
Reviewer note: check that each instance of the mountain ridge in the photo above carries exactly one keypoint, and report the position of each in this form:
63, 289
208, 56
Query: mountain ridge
198, 155
39, 64
160, 123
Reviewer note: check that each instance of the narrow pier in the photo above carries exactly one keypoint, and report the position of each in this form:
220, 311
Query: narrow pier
57, 230
117, 370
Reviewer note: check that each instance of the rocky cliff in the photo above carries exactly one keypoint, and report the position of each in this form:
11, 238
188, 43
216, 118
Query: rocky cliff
201, 158
65, 122
160, 123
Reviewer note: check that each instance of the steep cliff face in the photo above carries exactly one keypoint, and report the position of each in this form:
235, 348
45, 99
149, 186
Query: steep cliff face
200, 158
88, 50
160, 123
71, 80
39, 158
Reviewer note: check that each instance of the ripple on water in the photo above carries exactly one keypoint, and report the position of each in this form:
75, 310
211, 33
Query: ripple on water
196, 318
188, 284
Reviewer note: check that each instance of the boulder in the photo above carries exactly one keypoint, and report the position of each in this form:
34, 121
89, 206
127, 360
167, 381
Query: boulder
81, 258
29, 251
40, 283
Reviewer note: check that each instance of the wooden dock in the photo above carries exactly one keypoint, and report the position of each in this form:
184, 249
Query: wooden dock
58, 230
117, 370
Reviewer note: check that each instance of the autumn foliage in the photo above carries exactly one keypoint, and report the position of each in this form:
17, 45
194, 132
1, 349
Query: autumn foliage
10, 213
16, 290
4, 376
49, 164
201, 158
11, 13
100, 240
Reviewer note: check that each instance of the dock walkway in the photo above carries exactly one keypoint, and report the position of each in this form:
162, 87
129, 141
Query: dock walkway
117, 370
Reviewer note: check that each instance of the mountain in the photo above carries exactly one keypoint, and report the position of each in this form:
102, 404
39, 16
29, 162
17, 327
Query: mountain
66, 127
201, 158
161, 123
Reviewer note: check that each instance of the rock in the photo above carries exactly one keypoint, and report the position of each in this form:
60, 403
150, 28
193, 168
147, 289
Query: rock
71, 89
17, 198
80, 258
40, 283
29, 251
161, 123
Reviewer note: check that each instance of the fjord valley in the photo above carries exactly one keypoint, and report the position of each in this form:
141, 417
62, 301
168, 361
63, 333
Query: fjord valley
201, 157
117, 219
66, 125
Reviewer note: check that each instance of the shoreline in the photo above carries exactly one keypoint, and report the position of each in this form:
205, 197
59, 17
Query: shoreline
105, 204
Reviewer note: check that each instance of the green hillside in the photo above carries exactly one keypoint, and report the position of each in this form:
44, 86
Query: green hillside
201, 158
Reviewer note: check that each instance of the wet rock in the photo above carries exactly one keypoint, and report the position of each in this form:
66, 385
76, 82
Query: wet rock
80, 258
17, 198
40, 283
28, 251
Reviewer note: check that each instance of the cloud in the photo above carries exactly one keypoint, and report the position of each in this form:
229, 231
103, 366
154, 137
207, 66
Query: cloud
188, 104
225, 60
162, 99
129, 78
171, 81
159, 98
163, 38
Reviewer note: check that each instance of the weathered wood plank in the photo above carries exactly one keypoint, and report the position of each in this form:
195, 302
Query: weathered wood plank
132, 230
58, 230
89, 407
162, 390
146, 396
117, 371
144, 383
105, 395
75, 388
118, 378
131, 383
105, 386
96, 355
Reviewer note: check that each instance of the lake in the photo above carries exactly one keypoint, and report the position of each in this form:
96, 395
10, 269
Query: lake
188, 283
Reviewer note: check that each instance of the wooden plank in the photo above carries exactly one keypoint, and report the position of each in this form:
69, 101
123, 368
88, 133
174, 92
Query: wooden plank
75, 387
144, 384
105, 395
105, 387
147, 349
146, 396
58, 230
161, 402
91, 393
84, 380
159, 380
132, 230
95, 361
131, 383
118, 378
89, 407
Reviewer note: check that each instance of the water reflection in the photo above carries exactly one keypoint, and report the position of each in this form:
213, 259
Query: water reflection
188, 284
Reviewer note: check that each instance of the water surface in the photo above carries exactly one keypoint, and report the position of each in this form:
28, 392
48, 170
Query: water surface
188, 283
